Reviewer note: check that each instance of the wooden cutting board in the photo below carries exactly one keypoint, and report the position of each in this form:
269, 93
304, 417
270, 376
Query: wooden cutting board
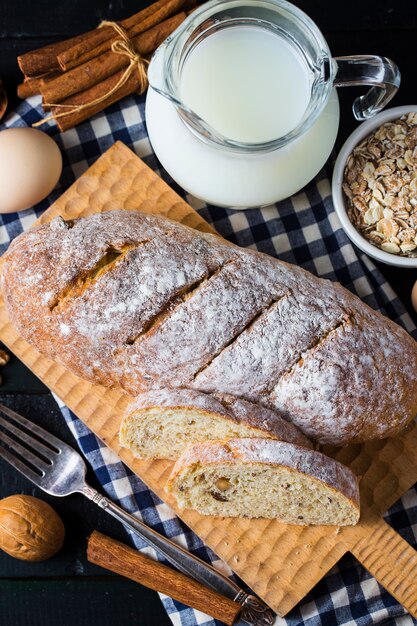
281, 563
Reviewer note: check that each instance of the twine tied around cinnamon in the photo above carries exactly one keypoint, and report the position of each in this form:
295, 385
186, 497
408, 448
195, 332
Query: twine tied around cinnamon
119, 46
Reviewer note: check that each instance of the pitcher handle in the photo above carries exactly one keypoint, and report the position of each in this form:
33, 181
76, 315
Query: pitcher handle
378, 71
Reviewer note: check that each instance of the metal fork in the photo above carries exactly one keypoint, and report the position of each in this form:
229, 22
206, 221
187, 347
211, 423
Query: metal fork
58, 469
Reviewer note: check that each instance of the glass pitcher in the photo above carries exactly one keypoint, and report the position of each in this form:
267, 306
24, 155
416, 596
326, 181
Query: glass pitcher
240, 171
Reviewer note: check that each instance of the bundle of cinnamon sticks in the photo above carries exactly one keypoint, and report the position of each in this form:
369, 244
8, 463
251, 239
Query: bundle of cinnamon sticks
78, 76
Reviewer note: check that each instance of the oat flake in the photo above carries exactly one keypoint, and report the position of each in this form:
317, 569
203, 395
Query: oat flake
380, 182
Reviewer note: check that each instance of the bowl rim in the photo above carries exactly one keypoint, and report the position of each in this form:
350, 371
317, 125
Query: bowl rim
338, 196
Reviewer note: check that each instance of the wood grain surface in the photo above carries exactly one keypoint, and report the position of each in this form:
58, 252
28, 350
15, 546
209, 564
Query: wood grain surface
280, 562
391, 560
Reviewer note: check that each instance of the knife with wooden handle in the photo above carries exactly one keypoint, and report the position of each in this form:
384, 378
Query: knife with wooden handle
121, 559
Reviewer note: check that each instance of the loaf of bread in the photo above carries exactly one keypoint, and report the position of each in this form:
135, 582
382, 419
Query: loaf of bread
163, 422
265, 478
142, 302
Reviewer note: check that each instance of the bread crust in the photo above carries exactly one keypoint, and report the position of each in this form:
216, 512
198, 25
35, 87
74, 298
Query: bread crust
138, 300
312, 463
218, 406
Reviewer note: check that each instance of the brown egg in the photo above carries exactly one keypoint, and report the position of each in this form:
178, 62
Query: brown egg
30, 166
414, 297
30, 529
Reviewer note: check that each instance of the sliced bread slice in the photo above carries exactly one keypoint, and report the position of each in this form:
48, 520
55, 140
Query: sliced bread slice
163, 422
265, 478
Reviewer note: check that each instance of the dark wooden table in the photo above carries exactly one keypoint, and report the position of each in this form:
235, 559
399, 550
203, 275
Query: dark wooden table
66, 590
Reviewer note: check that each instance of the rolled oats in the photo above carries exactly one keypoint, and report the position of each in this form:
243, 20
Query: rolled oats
380, 184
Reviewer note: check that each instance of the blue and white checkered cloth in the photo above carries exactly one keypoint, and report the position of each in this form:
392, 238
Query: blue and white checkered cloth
303, 230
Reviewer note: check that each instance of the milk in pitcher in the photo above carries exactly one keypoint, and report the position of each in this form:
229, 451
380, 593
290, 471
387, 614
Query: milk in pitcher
247, 83
250, 86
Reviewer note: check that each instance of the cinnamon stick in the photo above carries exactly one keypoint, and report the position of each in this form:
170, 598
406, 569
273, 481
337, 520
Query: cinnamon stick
29, 87
32, 85
44, 60
98, 41
101, 67
123, 560
91, 94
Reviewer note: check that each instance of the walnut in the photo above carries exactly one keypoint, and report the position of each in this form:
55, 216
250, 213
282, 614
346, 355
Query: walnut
4, 357
3, 100
218, 496
30, 529
222, 484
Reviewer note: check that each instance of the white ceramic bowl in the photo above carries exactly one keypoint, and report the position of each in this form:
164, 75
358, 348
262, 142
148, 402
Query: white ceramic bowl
339, 198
